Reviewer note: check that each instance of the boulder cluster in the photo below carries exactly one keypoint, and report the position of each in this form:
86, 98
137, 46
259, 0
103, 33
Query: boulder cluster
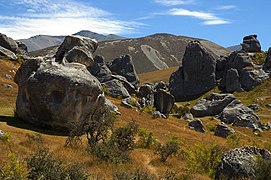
10, 48
201, 72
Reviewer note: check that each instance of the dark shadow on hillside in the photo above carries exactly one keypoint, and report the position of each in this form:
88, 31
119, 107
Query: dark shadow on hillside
19, 123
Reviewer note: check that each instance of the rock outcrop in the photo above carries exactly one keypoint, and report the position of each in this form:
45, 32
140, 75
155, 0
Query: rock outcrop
196, 125
212, 104
240, 115
100, 70
196, 75
240, 163
240, 73
8, 43
163, 101
57, 95
251, 44
7, 54
124, 66
222, 130
77, 49
267, 62
115, 88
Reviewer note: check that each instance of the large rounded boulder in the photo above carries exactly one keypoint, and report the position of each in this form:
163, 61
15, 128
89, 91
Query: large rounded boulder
240, 163
77, 49
56, 95
196, 75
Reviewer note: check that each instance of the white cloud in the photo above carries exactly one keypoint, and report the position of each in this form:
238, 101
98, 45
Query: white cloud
226, 7
174, 2
59, 17
208, 18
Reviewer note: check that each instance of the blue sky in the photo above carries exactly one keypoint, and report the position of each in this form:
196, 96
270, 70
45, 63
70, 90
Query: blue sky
222, 21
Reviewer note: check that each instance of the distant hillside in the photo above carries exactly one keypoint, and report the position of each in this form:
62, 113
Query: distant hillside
235, 48
150, 53
154, 52
43, 41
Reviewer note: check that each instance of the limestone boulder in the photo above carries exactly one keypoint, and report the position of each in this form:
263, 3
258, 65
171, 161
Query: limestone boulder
196, 75
267, 62
163, 101
222, 130
77, 49
7, 54
124, 66
100, 70
212, 104
240, 163
241, 74
8, 43
251, 44
196, 125
115, 88
240, 115
56, 95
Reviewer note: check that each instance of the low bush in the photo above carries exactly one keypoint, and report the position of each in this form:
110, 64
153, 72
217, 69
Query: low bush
43, 165
170, 148
263, 169
13, 169
146, 139
138, 174
204, 158
118, 147
35, 138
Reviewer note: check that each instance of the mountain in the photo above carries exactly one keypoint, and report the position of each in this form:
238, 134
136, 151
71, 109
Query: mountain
43, 41
154, 52
235, 48
150, 53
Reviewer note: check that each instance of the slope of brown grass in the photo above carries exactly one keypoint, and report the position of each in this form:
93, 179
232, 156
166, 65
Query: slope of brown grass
155, 76
163, 129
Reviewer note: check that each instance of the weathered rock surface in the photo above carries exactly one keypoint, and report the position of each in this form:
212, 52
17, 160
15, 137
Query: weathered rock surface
240, 115
240, 163
212, 104
196, 125
267, 62
130, 102
196, 75
8, 43
100, 70
161, 85
124, 66
163, 101
77, 49
56, 95
22, 48
5, 53
241, 74
251, 44
116, 89
222, 130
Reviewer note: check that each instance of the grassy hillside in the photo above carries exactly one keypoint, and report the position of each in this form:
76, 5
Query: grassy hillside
163, 129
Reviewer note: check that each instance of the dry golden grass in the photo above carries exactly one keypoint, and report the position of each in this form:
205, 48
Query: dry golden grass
160, 75
163, 129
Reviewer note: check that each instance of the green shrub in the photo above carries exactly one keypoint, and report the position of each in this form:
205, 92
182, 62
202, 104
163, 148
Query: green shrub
6, 137
148, 109
36, 138
146, 139
117, 148
171, 147
138, 174
263, 169
109, 153
233, 140
124, 138
13, 169
204, 159
43, 165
